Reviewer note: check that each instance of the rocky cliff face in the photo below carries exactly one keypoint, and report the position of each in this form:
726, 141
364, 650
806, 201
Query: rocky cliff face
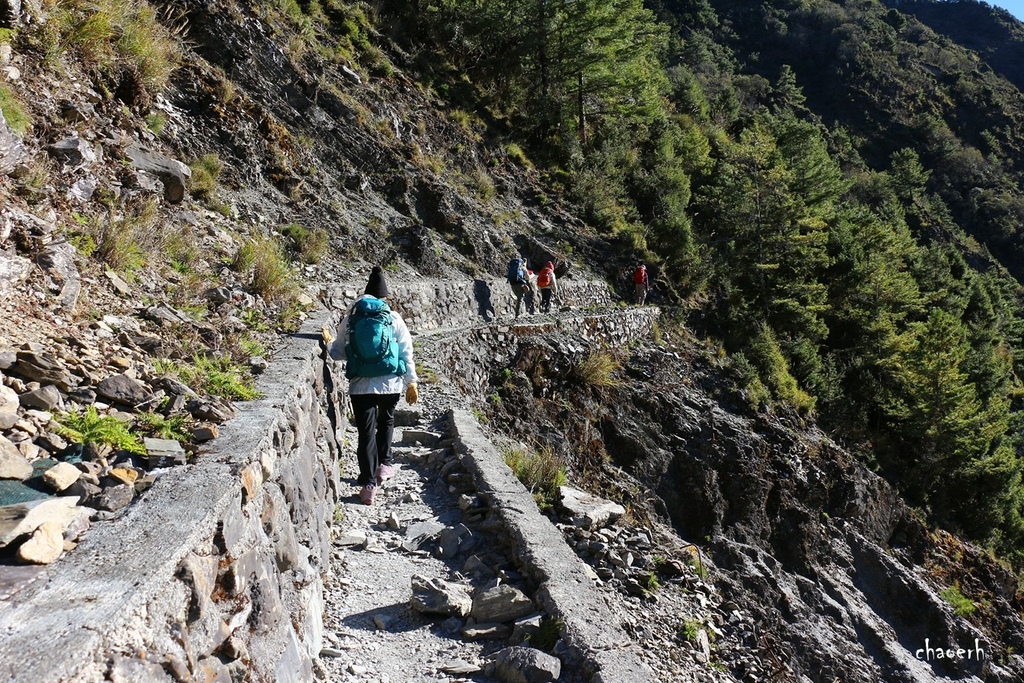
842, 579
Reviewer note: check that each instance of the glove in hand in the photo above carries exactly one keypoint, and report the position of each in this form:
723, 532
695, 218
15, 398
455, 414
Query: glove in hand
326, 334
411, 394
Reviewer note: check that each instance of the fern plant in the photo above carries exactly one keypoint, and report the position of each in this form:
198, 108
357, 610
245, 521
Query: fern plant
174, 427
92, 428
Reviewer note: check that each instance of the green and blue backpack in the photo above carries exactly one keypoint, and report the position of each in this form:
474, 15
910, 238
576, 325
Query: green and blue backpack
371, 349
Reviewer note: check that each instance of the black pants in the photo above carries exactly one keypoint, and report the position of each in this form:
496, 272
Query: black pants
545, 300
375, 420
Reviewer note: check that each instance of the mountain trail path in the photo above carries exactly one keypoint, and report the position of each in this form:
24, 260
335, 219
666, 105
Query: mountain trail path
371, 631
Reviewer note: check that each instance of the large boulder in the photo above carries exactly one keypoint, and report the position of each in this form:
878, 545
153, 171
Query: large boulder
124, 390
158, 172
73, 152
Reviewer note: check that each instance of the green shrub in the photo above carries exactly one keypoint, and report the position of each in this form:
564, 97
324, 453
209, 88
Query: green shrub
767, 356
252, 347
156, 122
92, 428
690, 629
309, 245
516, 154
14, 112
755, 392
548, 634
960, 603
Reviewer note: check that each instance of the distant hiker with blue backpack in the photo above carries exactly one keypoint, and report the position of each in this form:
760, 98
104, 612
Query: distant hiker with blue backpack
377, 348
519, 278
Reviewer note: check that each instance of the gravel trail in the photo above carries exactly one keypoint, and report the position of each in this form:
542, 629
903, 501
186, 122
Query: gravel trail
371, 633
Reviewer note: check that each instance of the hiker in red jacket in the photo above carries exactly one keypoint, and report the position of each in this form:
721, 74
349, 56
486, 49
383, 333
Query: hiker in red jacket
641, 284
547, 285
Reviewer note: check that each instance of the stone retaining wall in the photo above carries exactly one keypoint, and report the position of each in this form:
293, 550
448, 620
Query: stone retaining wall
471, 357
440, 304
224, 553
595, 642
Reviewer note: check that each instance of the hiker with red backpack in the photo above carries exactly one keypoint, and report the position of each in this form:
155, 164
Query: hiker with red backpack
547, 285
641, 284
377, 348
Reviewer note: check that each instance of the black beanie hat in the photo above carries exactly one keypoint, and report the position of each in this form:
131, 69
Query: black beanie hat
376, 286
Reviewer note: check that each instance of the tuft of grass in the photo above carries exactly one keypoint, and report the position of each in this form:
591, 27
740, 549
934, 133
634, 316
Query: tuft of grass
271, 276
308, 245
114, 36
481, 180
125, 236
206, 171
541, 472
182, 250
597, 369
426, 375
92, 428
650, 583
960, 603
224, 90
516, 154
14, 112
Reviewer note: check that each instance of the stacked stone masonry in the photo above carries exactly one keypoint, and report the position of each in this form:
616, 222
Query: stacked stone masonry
226, 553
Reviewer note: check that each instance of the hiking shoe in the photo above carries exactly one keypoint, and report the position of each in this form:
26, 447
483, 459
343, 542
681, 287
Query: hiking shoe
385, 472
367, 494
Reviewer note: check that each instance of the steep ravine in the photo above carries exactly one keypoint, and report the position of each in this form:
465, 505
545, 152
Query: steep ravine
841, 577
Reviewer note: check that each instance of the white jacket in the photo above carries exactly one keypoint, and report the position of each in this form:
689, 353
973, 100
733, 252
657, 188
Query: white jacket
388, 384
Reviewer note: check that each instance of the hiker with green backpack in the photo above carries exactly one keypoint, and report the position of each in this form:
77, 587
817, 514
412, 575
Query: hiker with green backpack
376, 345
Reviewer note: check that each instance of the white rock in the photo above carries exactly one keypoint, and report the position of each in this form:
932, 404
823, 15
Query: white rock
61, 476
45, 546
